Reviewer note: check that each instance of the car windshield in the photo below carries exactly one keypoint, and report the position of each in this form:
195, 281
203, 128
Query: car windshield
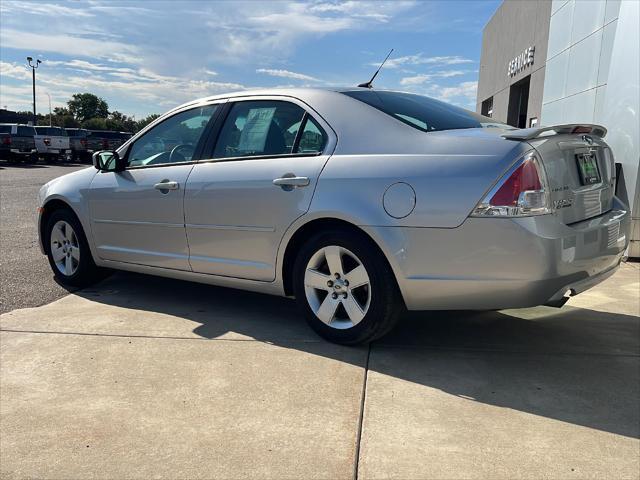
423, 113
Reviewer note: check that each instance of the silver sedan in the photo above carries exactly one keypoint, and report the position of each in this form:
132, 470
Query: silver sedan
358, 202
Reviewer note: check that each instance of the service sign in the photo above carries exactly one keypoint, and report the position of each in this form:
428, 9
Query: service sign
521, 61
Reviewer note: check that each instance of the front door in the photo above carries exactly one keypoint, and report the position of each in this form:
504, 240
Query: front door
261, 178
137, 215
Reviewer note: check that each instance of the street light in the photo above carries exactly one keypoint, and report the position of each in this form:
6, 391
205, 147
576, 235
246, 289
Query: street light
33, 71
49, 107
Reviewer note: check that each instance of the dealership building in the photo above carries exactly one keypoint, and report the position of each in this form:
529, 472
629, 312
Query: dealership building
554, 62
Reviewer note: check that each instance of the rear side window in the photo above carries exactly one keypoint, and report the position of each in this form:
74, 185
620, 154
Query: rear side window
5, 128
259, 128
422, 113
313, 138
26, 131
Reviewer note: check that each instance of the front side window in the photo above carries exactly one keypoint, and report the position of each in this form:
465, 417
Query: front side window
172, 141
259, 128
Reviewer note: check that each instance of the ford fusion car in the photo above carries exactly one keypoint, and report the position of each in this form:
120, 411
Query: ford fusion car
358, 202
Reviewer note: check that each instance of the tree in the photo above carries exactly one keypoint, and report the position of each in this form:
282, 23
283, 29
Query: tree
85, 106
146, 121
95, 124
120, 122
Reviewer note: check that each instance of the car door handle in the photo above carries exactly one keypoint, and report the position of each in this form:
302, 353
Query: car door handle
292, 181
166, 185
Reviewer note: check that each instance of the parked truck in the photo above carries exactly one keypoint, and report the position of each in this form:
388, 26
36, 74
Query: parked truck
17, 143
52, 143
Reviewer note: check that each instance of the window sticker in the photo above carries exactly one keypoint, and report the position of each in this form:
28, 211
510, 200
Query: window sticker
254, 134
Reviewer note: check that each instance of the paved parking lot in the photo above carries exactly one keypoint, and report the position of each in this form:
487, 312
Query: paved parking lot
26, 279
143, 377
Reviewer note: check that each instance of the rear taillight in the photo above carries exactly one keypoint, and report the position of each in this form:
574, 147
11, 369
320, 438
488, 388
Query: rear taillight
47, 141
83, 142
105, 144
521, 192
6, 141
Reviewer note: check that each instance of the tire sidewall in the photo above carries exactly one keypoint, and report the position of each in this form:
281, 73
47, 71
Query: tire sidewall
382, 294
86, 267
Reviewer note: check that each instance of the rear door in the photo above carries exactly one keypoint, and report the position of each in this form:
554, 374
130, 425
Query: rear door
259, 178
581, 174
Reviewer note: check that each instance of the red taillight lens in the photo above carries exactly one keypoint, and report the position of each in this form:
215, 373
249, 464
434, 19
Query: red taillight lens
47, 141
83, 142
105, 144
521, 192
524, 178
6, 141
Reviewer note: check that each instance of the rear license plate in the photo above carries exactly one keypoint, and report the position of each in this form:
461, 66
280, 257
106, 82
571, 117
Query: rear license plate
588, 168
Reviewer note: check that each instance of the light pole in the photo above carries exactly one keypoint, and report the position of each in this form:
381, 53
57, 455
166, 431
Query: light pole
49, 107
33, 71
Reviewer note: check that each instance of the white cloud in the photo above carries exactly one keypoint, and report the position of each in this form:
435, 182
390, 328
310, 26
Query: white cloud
420, 59
423, 78
286, 74
14, 70
47, 9
67, 44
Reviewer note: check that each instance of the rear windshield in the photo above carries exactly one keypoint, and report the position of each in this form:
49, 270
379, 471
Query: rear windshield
76, 132
53, 131
25, 131
5, 128
107, 134
423, 113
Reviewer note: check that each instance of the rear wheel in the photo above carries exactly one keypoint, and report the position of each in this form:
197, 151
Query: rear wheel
345, 288
68, 251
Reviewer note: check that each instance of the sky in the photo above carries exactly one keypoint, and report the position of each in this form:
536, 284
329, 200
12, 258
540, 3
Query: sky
147, 56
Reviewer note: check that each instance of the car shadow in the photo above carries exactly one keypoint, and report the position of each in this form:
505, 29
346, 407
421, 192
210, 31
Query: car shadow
573, 365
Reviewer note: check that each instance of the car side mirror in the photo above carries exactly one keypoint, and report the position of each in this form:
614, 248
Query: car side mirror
108, 161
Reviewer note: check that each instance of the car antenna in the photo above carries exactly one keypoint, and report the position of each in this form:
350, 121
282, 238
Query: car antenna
369, 84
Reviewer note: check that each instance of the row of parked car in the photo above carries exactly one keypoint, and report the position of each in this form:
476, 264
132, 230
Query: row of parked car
24, 143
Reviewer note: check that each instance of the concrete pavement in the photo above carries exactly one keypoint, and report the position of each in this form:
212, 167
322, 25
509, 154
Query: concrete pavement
143, 377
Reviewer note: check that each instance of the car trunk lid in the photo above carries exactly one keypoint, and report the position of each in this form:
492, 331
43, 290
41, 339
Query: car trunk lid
579, 167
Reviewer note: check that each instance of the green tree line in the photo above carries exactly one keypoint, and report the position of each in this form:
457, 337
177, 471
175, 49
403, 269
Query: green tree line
86, 110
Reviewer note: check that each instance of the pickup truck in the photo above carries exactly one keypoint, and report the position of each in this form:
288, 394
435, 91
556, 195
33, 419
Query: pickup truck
52, 142
79, 144
17, 143
106, 139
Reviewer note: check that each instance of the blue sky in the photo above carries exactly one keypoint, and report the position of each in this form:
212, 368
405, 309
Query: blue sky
147, 56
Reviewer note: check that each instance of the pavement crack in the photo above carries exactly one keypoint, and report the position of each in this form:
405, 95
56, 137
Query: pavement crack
361, 416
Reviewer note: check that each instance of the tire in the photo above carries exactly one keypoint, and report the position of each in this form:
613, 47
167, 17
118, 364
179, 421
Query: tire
360, 313
73, 270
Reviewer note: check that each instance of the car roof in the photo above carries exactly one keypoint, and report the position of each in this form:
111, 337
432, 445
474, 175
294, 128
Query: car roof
297, 92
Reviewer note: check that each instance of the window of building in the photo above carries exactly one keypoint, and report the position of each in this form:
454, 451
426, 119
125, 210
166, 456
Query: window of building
487, 107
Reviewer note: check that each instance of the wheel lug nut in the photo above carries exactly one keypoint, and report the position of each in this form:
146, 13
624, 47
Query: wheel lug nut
346, 283
337, 275
344, 295
334, 295
329, 283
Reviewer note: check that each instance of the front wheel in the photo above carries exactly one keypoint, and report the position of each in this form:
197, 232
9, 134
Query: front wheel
68, 251
346, 288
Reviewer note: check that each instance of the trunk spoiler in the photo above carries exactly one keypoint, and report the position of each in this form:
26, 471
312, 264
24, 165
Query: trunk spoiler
531, 133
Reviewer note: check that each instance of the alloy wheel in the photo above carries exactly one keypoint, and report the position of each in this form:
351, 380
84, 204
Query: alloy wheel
65, 248
337, 287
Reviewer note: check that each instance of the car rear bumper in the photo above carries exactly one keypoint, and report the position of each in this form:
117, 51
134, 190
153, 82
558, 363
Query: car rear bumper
17, 151
497, 263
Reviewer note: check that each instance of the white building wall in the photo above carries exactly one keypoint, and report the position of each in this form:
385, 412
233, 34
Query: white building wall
581, 37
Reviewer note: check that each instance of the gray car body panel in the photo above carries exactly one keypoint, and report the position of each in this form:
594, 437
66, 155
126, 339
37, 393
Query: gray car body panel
441, 258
